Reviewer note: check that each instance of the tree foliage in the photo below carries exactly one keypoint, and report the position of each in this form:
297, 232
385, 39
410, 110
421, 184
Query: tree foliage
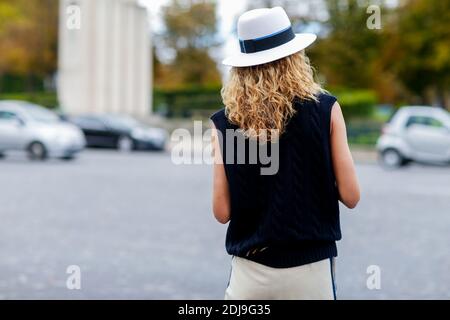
345, 56
190, 24
408, 60
191, 29
417, 49
28, 37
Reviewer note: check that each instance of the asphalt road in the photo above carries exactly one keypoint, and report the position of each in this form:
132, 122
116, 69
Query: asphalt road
139, 226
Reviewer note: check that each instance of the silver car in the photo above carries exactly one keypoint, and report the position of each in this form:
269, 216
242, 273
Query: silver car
416, 133
40, 132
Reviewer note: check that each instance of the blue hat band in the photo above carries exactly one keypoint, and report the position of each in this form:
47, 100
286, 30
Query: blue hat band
267, 42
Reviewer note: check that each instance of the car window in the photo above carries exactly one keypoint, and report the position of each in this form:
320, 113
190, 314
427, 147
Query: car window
391, 116
41, 115
7, 115
89, 123
121, 122
425, 121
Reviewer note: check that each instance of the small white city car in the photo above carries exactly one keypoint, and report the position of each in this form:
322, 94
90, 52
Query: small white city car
38, 131
416, 133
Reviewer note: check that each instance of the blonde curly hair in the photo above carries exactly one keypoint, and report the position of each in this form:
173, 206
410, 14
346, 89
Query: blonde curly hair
260, 98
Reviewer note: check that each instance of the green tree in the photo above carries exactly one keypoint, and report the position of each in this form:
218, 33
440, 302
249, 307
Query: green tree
346, 49
417, 50
346, 55
28, 38
156, 64
191, 29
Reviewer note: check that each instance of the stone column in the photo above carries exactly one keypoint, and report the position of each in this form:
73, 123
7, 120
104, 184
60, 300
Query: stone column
104, 67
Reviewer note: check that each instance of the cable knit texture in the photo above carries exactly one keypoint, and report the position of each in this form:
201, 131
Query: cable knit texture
290, 218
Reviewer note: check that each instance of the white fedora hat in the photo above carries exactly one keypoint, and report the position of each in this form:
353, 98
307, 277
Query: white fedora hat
266, 35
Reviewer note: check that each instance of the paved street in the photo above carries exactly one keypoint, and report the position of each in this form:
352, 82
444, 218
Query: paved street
139, 226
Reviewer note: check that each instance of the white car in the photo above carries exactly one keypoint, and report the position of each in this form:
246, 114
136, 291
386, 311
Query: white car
416, 133
40, 132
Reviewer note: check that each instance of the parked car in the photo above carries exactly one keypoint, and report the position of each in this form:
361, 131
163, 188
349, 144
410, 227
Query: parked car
37, 130
120, 132
416, 133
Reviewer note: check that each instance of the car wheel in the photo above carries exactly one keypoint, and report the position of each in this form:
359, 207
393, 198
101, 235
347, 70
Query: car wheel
391, 158
125, 144
37, 151
2, 155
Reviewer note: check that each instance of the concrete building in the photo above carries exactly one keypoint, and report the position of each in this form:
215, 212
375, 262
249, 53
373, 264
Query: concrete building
104, 57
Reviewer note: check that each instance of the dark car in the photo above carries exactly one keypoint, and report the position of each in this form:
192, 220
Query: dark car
119, 132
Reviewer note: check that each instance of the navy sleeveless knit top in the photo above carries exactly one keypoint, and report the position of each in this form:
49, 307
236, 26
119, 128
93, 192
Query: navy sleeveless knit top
289, 218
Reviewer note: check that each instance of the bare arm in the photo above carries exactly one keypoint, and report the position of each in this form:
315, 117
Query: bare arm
344, 168
221, 195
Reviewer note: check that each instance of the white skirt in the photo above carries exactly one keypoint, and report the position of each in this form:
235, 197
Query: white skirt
250, 280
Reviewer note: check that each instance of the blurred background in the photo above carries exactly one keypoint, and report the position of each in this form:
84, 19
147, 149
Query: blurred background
91, 90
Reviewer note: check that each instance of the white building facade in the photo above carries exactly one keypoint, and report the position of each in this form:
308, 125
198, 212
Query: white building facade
104, 57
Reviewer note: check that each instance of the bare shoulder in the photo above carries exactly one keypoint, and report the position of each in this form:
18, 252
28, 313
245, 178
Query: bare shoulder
336, 109
337, 118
